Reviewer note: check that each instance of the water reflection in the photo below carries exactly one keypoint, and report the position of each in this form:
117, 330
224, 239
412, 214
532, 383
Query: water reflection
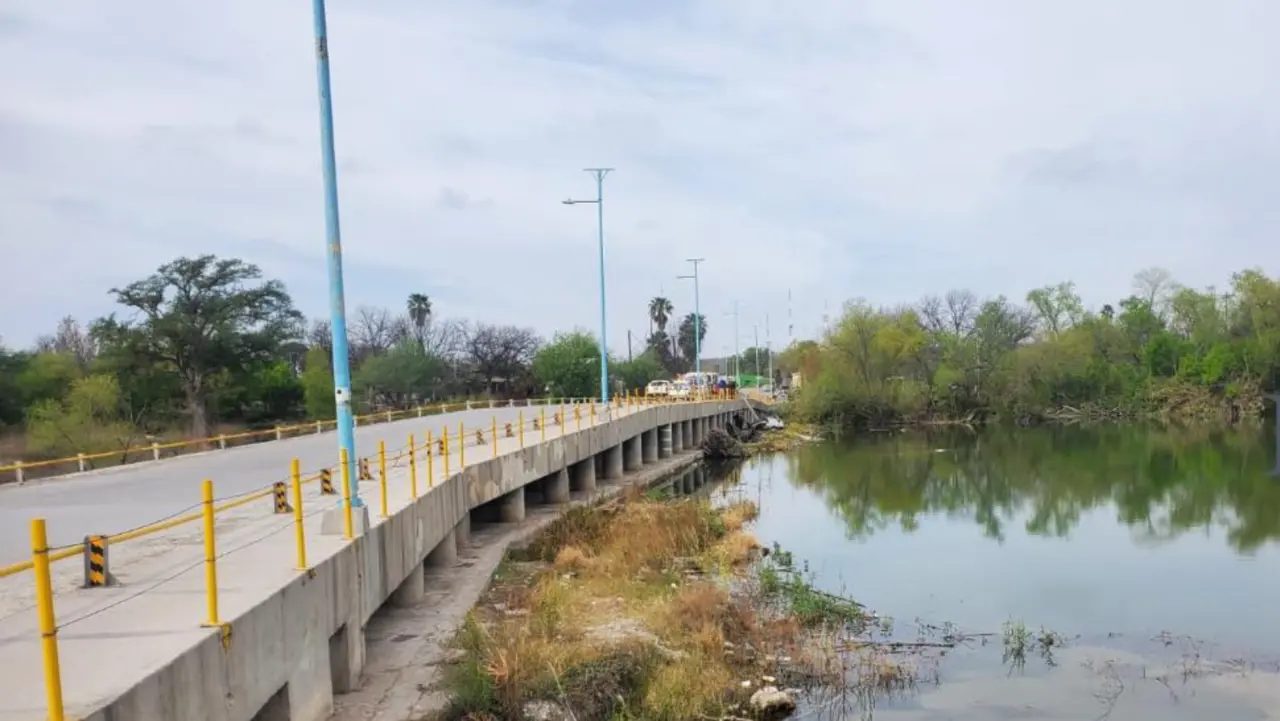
1162, 482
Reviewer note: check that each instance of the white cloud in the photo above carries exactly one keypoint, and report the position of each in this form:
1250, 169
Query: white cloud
883, 148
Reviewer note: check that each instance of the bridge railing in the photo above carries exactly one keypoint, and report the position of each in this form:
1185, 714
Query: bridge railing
23, 471
428, 457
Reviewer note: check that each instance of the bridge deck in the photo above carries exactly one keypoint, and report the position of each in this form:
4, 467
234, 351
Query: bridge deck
111, 638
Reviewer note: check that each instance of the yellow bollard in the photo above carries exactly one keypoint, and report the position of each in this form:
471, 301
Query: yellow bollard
564, 420
462, 447
348, 523
210, 556
382, 475
299, 535
577, 417
628, 401
48, 625
522, 428
543, 425
593, 412
413, 466
494, 433
444, 436
430, 463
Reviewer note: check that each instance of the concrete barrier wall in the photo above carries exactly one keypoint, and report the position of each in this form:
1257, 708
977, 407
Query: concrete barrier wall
286, 657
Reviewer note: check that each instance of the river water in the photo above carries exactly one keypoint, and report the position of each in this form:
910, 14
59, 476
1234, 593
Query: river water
1153, 553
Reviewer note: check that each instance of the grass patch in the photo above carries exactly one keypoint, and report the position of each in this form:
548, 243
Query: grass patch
656, 611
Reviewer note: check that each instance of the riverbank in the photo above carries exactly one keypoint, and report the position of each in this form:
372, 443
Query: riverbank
408, 648
660, 610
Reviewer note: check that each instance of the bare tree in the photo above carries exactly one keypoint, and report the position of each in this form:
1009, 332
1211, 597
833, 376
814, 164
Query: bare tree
70, 339
501, 353
1157, 287
321, 335
953, 313
444, 338
374, 331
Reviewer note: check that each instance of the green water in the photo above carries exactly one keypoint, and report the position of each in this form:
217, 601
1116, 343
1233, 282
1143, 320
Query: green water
1157, 552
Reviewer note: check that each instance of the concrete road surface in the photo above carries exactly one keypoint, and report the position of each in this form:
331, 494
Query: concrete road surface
117, 499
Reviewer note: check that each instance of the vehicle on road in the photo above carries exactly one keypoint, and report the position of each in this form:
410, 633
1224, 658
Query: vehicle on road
680, 389
657, 388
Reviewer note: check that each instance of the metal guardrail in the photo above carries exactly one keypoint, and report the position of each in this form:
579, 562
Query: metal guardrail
81, 461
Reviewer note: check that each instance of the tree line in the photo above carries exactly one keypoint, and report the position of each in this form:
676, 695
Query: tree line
1165, 350
209, 341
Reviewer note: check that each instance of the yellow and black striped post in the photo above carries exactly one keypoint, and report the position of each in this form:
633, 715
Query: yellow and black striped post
96, 572
364, 473
326, 483
280, 496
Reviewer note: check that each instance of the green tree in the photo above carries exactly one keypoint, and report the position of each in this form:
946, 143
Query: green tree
93, 417
660, 310
419, 309
404, 375
569, 365
203, 315
47, 376
317, 385
635, 374
11, 401
685, 335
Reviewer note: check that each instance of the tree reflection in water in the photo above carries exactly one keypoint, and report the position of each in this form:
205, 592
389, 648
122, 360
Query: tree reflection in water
1162, 481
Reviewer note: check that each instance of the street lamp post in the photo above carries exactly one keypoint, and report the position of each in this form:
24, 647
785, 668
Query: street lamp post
333, 246
599, 174
737, 351
697, 317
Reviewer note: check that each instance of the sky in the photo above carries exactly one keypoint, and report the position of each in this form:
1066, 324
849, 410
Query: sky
819, 150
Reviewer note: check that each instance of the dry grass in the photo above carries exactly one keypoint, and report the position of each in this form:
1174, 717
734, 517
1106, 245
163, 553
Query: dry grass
739, 514
572, 558
614, 626
654, 611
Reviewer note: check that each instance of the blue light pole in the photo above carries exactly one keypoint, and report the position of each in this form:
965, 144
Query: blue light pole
333, 246
697, 318
604, 347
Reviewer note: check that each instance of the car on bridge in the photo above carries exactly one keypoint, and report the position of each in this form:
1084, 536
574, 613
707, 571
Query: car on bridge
658, 388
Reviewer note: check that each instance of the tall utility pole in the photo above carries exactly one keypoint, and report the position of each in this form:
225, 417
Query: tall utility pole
768, 346
756, 345
333, 249
599, 174
737, 350
628, 345
697, 317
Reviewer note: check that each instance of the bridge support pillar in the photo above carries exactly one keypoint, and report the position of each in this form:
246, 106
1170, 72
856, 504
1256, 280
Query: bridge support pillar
677, 437
411, 589
664, 441
632, 454
686, 430
511, 506
445, 554
556, 486
584, 475
649, 446
462, 533
613, 463
699, 431
346, 656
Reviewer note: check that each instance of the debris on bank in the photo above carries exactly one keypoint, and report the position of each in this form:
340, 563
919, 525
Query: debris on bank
653, 610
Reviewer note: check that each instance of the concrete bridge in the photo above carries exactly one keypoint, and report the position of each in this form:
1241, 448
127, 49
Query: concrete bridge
247, 629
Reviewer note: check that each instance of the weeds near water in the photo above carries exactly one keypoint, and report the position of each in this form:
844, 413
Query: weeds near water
1019, 641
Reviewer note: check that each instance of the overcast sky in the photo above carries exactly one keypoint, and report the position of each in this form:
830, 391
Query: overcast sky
835, 148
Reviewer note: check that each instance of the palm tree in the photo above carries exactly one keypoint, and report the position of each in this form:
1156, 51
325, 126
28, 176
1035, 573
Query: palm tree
660, 310
419, 307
